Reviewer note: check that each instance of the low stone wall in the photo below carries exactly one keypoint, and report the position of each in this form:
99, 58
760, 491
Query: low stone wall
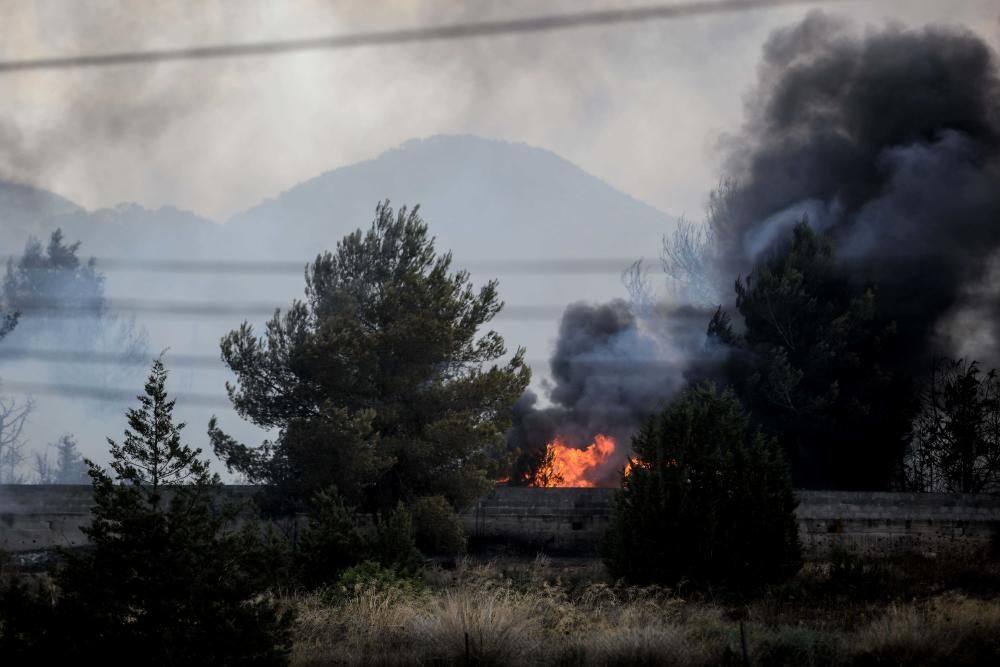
36, 517
573, 521
873, 524
550, 520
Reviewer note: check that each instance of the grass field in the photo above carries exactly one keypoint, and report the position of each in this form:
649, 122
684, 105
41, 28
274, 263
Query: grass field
543, 612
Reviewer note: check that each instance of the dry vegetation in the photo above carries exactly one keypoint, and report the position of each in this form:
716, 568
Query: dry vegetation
501, 614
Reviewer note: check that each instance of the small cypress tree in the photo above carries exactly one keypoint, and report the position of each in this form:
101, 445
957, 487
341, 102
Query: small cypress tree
165, 580
705, 501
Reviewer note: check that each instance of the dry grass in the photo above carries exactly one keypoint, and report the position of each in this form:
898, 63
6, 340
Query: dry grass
533, 617
950, 630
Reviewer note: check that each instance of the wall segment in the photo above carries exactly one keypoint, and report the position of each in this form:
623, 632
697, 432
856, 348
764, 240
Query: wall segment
573, 521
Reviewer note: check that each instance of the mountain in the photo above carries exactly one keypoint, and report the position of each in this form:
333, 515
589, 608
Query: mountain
483, 199
22, 207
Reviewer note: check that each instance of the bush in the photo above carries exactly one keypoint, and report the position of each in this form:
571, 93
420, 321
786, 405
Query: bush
856, 576
331, 543
438, 528
705, 501
395, 544
337, 538
372, 575
27, 619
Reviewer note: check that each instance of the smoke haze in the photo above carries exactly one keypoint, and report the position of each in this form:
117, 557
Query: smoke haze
886, 142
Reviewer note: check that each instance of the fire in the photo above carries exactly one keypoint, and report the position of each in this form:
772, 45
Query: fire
635, 463
565, 466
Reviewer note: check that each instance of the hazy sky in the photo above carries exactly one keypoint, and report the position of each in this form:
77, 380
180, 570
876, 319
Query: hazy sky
643, 106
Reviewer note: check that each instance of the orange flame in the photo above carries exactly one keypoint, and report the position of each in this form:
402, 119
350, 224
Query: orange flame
565, 466
635, 463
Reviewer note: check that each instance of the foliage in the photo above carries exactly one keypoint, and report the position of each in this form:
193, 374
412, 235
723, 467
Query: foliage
27, 620
370, 574
331, 543
438, 527
337, 538
44, 282
379, 381
395, 544
164, 578
819, 367
69, 467
690, 253
706, 501
43, 279
13, 417
956, 435
8, 320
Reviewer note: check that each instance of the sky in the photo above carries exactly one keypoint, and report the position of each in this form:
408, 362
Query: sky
646, 107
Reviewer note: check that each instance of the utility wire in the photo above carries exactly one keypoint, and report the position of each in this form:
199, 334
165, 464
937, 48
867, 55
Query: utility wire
176, 360
540, 266
222, 309
536, 24
97, 393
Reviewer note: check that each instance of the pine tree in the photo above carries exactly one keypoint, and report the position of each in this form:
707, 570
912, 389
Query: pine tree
70, 466
382, 382
166, 578
821, 366
706, 500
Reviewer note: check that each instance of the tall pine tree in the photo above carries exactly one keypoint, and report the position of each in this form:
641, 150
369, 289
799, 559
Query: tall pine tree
166, 580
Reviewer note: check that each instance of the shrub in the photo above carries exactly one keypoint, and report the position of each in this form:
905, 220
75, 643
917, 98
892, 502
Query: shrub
705, 501
330, 543
27, 619
370, 575
395, 544
856, 576
438, 527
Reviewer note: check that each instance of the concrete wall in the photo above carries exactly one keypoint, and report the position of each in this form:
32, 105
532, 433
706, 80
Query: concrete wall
45, 516
573, 520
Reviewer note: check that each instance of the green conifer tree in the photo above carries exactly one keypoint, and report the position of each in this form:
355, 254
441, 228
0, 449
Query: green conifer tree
706, 501
166, 580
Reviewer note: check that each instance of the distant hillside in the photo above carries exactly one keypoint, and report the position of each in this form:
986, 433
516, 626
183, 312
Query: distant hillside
483, 199
23, 208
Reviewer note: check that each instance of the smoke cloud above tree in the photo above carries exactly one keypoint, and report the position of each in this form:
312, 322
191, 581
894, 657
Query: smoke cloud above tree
888, 144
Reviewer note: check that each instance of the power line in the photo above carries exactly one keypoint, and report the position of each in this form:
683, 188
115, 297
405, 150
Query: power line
537, 24
178, 360
540, 266
222, 309
90, 392
53, 356
95, 393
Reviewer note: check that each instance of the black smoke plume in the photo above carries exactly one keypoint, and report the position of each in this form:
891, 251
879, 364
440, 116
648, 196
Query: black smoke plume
611, 368
889, 145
